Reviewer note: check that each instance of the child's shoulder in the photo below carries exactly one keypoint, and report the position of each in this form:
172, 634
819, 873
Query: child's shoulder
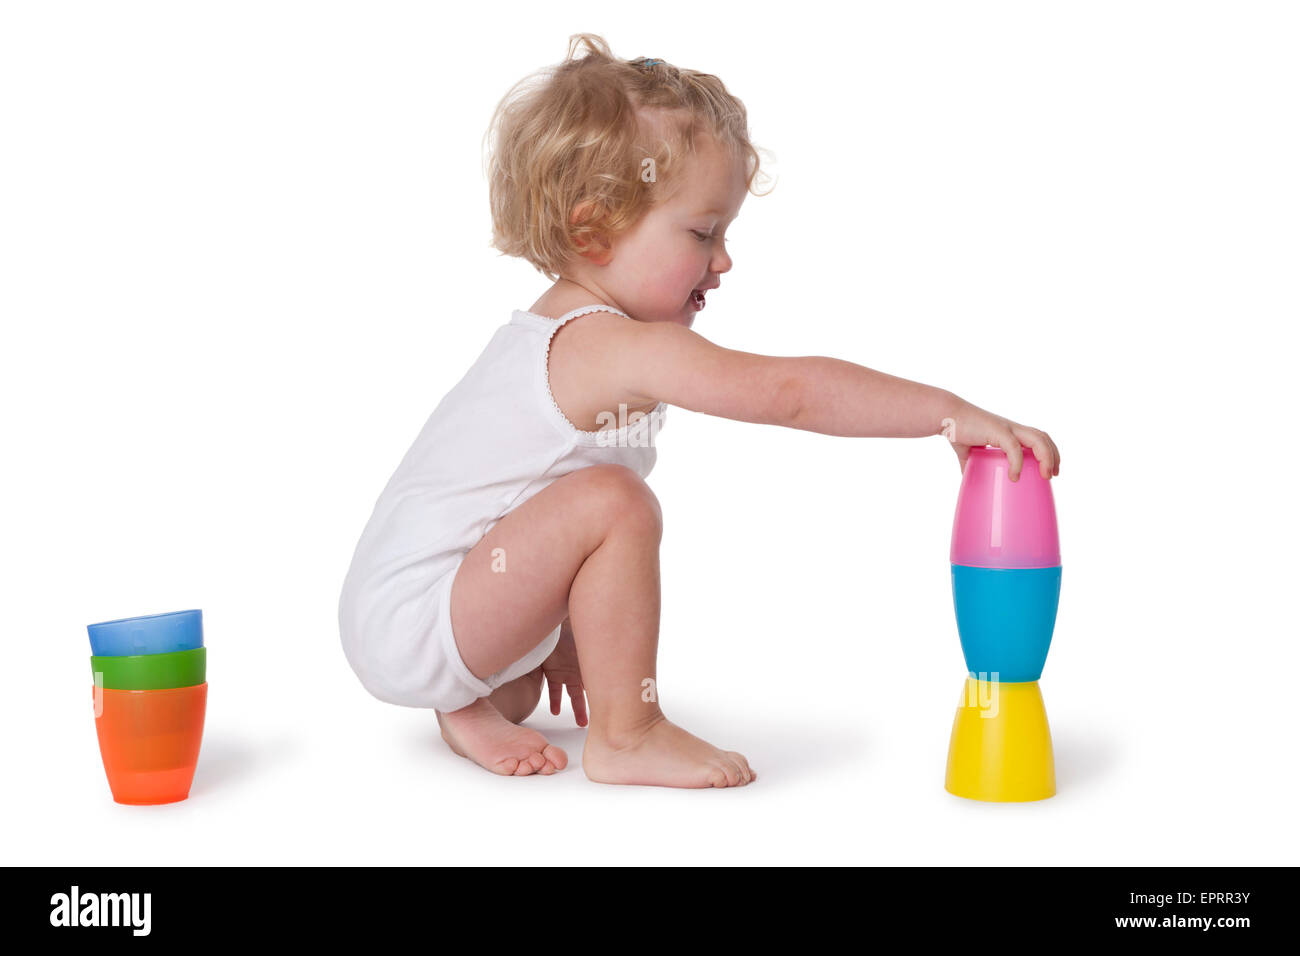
598, 325
587, 365
595, 335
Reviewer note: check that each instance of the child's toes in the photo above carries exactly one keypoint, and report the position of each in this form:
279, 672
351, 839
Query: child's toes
556, 757
725, 774
743, 764
738, 772
530, 764
507, 767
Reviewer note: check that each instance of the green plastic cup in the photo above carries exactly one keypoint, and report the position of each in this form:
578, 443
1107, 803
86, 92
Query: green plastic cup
152, 671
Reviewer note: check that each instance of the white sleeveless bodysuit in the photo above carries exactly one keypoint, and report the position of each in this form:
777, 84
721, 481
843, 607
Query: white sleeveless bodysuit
495, 440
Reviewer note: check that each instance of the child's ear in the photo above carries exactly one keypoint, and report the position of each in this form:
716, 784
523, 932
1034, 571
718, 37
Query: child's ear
592, 245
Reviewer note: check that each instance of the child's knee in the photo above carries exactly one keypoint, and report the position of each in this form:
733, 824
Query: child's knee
623, 496
518, 698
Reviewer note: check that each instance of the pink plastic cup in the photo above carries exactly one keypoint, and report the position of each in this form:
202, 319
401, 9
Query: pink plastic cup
1002, 523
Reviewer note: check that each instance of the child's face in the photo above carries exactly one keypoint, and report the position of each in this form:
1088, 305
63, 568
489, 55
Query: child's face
677, 247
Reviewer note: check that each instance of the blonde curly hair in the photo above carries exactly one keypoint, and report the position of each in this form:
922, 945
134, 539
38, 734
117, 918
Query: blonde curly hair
567, 148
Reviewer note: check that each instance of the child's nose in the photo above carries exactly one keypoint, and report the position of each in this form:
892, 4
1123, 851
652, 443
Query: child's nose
721, 262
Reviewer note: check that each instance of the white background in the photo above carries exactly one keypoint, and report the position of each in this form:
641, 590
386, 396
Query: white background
244, 252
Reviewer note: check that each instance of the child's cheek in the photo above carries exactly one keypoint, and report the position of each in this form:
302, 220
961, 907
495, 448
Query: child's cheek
669, 285
685, 276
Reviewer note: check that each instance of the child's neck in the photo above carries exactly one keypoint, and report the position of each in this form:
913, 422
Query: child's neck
568, 294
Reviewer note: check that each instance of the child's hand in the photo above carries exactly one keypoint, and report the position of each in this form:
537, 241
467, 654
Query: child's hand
561, 669
971, 426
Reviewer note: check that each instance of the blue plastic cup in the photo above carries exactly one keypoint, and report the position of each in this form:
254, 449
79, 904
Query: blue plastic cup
150, 634
1005, 619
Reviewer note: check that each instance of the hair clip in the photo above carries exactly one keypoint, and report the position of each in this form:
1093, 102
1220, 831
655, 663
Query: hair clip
646, 64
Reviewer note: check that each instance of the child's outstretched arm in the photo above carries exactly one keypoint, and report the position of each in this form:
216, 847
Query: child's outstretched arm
666, 362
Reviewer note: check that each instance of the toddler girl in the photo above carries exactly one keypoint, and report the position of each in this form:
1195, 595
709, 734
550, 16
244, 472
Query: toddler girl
517, 541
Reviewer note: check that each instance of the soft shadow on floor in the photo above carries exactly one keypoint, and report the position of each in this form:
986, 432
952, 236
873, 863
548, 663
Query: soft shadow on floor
797, 754
229, 762
1083, 759
570, 739
783, 752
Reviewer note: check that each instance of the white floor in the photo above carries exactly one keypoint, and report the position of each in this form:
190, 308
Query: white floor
843, 702
831, 790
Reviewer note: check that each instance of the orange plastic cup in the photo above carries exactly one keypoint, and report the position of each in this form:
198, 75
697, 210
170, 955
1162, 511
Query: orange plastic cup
149, 741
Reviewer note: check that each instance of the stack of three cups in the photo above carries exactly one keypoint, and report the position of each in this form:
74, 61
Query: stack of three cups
150, 697
1006, 582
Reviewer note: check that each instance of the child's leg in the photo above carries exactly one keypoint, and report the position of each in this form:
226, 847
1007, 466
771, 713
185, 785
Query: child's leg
586, 546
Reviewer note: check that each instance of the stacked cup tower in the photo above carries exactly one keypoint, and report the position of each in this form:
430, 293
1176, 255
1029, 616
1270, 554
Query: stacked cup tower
1006, 583
150, 695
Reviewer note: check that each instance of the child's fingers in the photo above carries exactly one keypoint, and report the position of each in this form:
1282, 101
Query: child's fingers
556, 689
1055, 467
1010, 444
963, 452
1038, 441
578, 698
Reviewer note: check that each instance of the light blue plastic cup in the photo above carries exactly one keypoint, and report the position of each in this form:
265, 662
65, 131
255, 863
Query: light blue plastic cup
151, 634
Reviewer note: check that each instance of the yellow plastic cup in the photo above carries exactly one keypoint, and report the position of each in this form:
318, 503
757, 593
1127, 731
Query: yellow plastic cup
1001, 745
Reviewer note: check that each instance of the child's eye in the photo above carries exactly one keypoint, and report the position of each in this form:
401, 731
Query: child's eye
701, 235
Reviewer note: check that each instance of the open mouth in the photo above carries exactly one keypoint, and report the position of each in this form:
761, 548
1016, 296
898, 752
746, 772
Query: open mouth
697, 297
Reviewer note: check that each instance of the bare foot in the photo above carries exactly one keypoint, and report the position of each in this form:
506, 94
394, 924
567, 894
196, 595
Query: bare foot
663, 755
480, 733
